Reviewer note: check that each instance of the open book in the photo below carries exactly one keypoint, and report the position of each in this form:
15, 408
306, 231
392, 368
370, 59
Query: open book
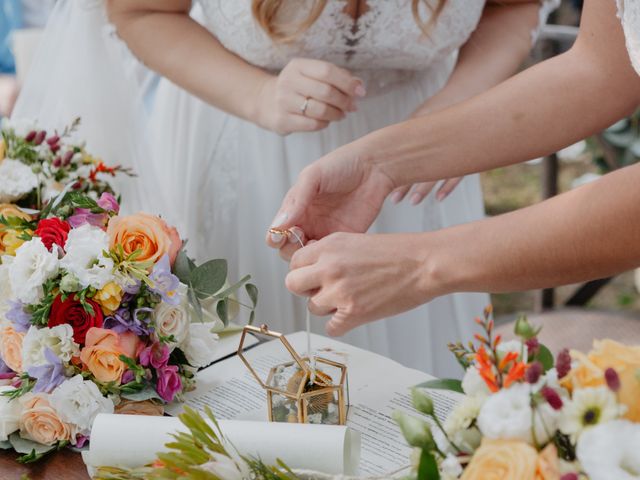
377, 387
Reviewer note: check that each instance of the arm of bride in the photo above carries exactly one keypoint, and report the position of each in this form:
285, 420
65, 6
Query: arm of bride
163, 36
493, 53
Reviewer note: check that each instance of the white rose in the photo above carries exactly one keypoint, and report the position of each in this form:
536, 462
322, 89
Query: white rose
173, 319
200, 348
84, 257
78, 402
32, 266
451, 467
10, 411
473, 384
460, 427
507, 415
6, 292
610, 451
16, 180
59, 339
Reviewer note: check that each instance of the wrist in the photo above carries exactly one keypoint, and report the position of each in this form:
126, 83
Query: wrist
254, 107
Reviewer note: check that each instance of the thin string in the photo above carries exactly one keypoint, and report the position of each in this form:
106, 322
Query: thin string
312, 358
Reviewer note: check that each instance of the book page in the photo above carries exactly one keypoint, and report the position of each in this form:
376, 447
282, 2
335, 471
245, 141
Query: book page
377, 387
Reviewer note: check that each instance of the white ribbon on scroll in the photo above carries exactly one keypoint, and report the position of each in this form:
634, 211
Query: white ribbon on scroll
129, 441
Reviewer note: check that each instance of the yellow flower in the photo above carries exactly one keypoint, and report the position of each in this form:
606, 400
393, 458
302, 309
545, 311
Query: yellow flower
625, 360
109, 297
3, 149
502, 459
9, 238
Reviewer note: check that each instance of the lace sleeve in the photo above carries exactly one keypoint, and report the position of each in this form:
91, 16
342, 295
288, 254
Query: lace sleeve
629, 13
546, 7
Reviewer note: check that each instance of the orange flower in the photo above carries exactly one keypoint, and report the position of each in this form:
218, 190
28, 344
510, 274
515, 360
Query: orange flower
485, 369
40, 422
101, 354
145, 233
516, 373
11, 347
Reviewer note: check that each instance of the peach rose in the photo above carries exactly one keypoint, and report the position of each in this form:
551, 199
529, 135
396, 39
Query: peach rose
101, 354
10, 239
606, 354
147, 407
148, 234
11, 347
40, 422
502, 459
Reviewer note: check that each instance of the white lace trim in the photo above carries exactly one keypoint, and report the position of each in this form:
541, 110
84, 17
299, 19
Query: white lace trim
629, 14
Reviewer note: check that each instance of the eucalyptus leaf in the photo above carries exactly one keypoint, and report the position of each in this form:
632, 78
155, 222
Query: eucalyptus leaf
23, 445
183, 266
222, 309
195, 304
229, 290
6, 445
146, 394
252, 317
209, 278
450, 384
252, 291
545, 357
620, 139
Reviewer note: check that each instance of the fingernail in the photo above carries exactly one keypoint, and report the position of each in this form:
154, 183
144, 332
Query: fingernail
396, 197
415, 199
279, 220
360, 91
441, 196
276, 238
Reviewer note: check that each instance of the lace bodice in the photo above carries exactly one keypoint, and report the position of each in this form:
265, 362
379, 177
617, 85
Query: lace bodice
385, 39
629, 12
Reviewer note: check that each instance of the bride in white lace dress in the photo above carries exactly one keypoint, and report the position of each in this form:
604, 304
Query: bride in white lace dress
226, 168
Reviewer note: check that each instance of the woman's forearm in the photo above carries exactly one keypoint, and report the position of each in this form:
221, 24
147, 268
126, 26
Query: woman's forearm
538, 111
493, 53
163, 36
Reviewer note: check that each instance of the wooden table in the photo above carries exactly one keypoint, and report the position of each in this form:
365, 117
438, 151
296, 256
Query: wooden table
63, 465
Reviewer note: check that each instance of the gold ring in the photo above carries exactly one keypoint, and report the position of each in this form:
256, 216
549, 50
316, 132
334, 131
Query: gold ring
303, 107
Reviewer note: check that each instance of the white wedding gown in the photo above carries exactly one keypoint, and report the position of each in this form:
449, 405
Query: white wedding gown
227, 176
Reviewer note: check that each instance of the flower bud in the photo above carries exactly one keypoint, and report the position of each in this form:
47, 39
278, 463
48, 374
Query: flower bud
533, 373
36, 168
524, 329
70, 284
57, 162
39, 138
563, 363
66, 159
422, 402
53, 140
552, 397
417, 432
612, 378
30, 136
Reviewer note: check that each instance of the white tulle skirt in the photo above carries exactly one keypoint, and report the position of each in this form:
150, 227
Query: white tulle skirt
226, 178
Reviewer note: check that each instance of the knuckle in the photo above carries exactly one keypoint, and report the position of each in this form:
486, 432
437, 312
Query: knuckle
324, 90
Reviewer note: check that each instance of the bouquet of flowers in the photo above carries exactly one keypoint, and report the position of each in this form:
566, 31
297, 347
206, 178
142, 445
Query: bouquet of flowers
36, 166
528, 416
99, 312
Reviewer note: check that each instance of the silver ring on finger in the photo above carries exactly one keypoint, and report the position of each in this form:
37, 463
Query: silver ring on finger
305, 104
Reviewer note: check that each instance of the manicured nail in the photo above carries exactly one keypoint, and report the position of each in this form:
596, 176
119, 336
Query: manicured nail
415, 199
276, 238
279, 220
360, 91
441, 196
396, 197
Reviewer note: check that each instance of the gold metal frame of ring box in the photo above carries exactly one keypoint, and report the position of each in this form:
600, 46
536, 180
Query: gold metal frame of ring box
305, 399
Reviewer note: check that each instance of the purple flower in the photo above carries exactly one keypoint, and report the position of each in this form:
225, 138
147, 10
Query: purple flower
109, 203
81, 440
169, 382
5, 372
155, 355
130, 290
83, 215
165, 283
49, 375
123, 321
127, 377
17, 314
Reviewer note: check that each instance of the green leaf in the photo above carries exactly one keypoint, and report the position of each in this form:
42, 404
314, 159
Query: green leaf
252, 317
428, 468
209, 278
229, 290
195, 304
545, 357
222, 309
146, 394
183, 267
450, 384
23, 445
6, 445
252, 291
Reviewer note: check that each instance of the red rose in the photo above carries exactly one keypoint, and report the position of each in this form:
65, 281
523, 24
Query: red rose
72, 312
53, 231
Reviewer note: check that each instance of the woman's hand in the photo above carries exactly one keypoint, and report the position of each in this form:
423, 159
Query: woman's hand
359, 278
306, 96
341, 192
